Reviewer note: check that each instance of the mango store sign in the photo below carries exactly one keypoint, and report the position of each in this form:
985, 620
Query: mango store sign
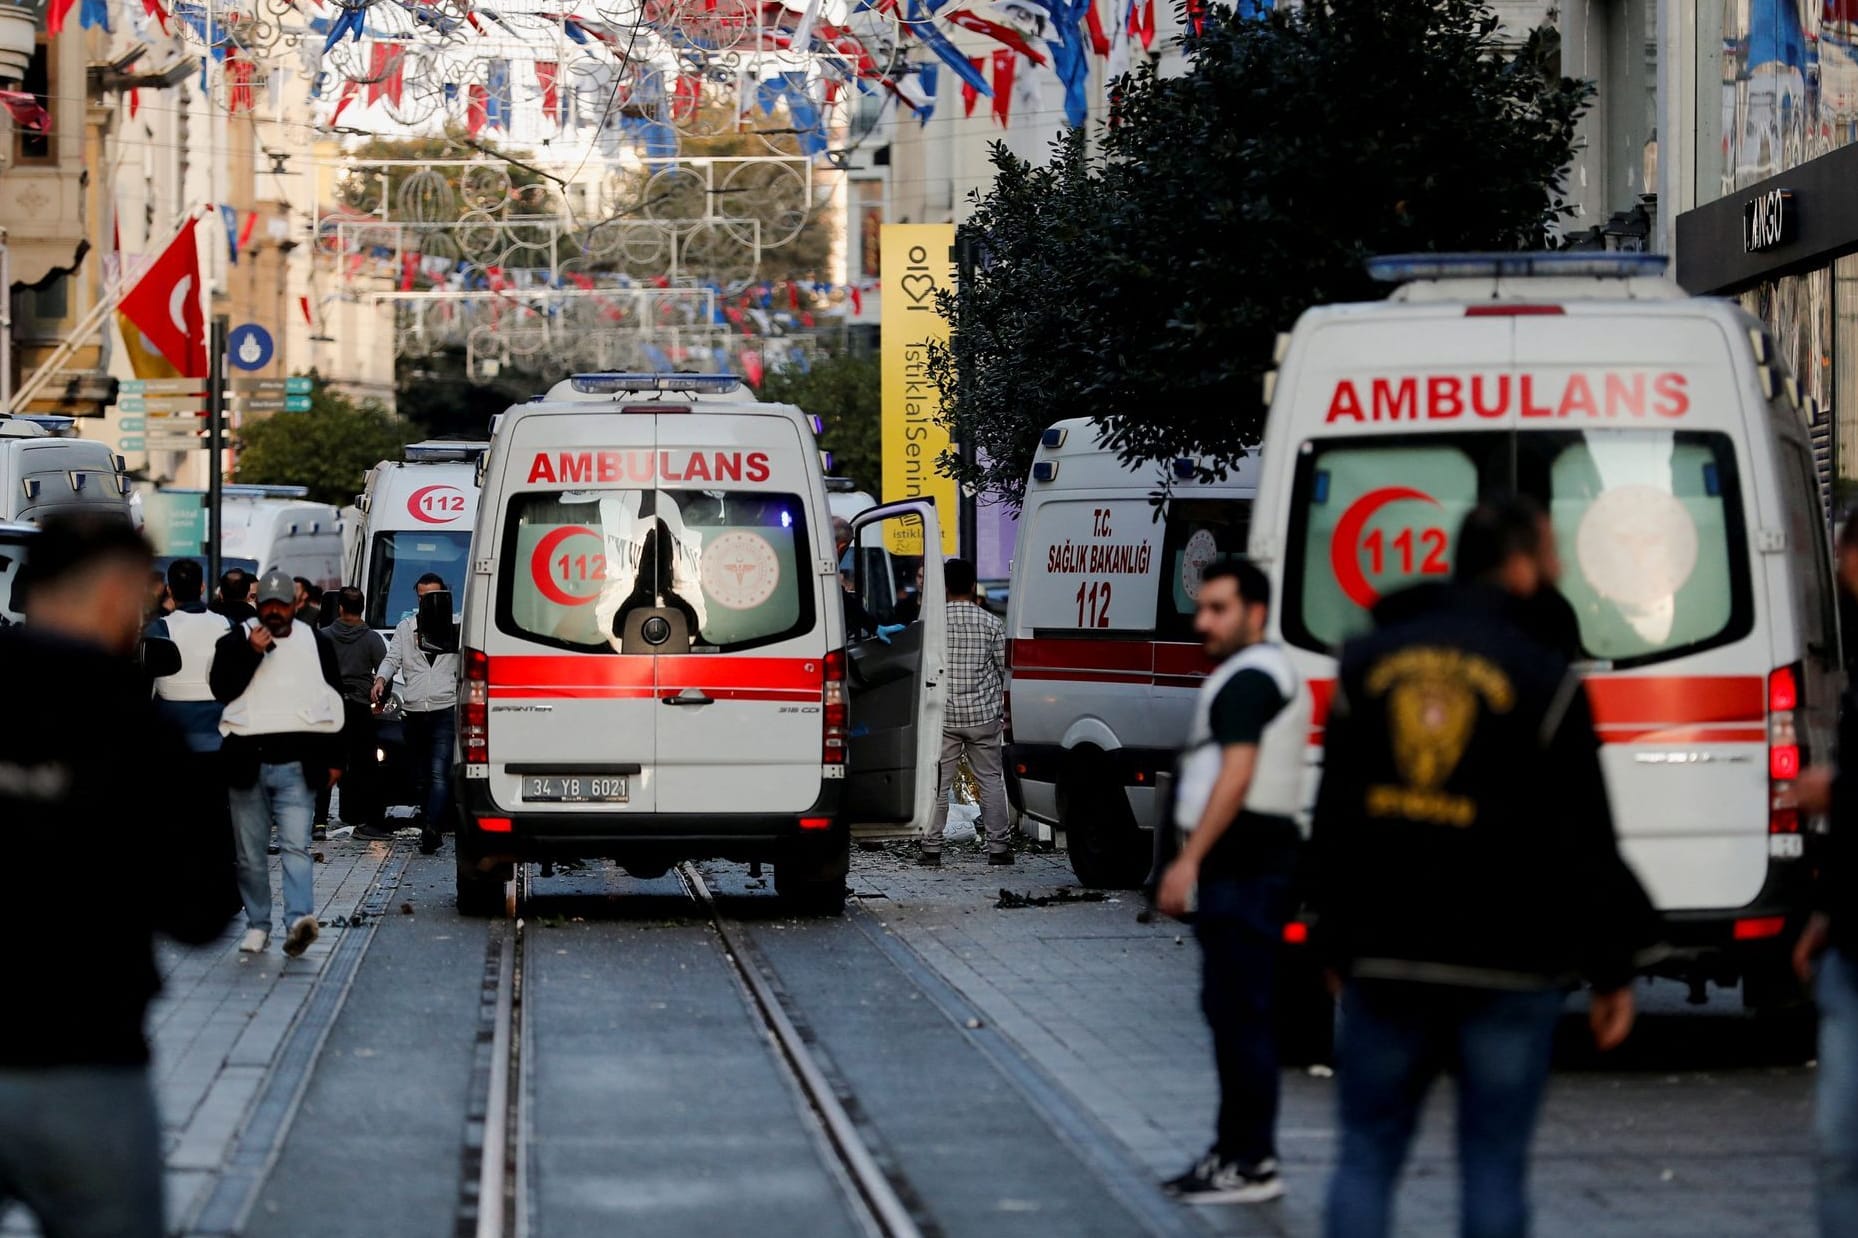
916, 265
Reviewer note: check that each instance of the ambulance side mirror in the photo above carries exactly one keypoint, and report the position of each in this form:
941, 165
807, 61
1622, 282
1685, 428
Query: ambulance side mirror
159, 657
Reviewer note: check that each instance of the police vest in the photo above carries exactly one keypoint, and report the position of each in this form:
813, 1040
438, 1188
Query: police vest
288, 694
1276, 787
196, 636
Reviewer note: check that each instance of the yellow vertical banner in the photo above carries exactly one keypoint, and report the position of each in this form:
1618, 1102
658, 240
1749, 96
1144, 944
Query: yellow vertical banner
916, 264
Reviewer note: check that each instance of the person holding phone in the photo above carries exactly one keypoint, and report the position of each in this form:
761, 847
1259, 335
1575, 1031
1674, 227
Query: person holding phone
424, 653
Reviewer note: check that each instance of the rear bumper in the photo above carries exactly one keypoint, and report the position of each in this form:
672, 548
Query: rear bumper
641, 837
1725, 944
1042, 764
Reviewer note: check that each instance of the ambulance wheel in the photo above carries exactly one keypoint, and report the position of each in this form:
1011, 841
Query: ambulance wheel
480, 893
810, 886
1106, 848
1773, 990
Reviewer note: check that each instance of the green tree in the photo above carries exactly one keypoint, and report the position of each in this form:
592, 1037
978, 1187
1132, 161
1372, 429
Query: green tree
1144, 286
329, 449
845, 391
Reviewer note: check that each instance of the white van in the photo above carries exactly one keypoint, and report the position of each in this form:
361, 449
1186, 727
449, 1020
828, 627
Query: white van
1668, 443
261, 527
416, 517
41, 473
1104, 661
654, 663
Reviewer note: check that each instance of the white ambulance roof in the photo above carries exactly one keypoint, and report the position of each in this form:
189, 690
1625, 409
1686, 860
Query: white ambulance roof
1073, 448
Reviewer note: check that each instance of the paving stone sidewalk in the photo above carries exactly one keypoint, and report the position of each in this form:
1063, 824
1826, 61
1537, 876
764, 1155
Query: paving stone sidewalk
1705, 1130
221, 1019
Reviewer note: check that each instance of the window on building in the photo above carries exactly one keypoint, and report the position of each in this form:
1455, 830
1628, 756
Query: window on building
31, 147
39, 313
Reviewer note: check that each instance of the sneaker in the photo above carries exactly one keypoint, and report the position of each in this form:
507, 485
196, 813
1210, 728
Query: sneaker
303, 931
376, 832
929, 859
1000, 857
319, 833
1216, 1181
429, 840
254, 941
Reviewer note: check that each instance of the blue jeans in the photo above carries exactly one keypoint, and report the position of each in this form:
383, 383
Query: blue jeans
1394, 1040
1240, 926
1835, 1117
429, 736
280, 797
80, 1147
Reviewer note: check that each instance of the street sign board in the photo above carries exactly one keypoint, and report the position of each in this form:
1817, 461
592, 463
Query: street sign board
131, 425
275, 404
250, 347
161, 386
294, 385
130, 442
176, 444
163, 404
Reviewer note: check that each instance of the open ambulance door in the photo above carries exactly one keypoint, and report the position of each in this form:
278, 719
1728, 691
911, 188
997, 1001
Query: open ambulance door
896, 684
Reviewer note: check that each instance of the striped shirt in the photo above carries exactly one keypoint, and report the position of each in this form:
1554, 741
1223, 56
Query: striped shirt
976, 666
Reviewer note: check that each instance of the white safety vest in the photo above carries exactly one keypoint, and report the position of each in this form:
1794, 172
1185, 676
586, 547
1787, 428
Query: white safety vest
196, 636
288, 694
1277, 779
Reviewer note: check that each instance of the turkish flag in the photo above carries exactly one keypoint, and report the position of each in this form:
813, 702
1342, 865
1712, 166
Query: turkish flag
164, 305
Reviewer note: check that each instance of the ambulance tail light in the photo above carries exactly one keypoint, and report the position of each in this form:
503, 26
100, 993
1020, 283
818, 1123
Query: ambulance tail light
837, 719
474, 708
1783, 749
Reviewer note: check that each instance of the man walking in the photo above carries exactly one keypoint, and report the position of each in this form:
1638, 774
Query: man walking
429, 698
358, 650
1826, 955
80, 1142
1238, 789
282, 688
1466, 874
975, 717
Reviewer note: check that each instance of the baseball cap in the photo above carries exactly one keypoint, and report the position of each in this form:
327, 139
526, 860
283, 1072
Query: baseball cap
275, 586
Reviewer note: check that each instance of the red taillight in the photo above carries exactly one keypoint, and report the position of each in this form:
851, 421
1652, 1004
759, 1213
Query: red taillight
494, 825
837, 715
1296, 933
1783, 750
816, 823
1511, 311
474, 711
1759, 927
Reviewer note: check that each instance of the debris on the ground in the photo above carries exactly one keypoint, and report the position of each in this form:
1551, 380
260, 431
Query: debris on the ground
973, 1025
1010, 900
342, 831
317, 857
406, 909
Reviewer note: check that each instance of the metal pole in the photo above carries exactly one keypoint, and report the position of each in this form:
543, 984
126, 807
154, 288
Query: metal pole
6, 323
215, 441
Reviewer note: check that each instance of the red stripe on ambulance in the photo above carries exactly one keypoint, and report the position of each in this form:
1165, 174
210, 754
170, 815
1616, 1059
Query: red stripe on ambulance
623, 676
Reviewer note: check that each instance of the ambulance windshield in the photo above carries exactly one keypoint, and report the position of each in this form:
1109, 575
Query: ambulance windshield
1648, 525
400, 558
730, 561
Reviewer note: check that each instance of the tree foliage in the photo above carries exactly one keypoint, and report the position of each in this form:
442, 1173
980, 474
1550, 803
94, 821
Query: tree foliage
844, 390
329, 449
1144, 286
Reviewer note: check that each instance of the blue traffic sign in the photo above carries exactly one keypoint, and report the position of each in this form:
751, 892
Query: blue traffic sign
249, 347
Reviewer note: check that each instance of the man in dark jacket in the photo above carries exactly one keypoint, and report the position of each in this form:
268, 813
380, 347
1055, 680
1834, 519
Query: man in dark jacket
235, 590
1829, 946
1466, 874
358, 650
282, 688
80, 1143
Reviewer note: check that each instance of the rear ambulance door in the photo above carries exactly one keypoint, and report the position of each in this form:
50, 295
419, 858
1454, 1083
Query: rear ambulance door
739, 713
897, 687
564, 702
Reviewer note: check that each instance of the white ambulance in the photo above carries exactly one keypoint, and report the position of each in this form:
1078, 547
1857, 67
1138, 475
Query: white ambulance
1104, 661
1668, 443
655, 665
416, 517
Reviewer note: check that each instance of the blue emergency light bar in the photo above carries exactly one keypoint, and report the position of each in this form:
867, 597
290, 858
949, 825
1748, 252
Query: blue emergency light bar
441, 452
626, 384
818, 424
51, 423
1404, 268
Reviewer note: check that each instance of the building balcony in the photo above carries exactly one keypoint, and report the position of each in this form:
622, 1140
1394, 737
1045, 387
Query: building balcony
19, 28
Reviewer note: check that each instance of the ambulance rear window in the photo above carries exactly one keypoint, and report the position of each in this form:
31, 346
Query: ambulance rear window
1648, 524
575, 563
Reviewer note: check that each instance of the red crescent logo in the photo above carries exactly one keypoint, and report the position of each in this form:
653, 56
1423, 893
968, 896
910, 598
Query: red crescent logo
539, 568
416, 504
1345, 542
